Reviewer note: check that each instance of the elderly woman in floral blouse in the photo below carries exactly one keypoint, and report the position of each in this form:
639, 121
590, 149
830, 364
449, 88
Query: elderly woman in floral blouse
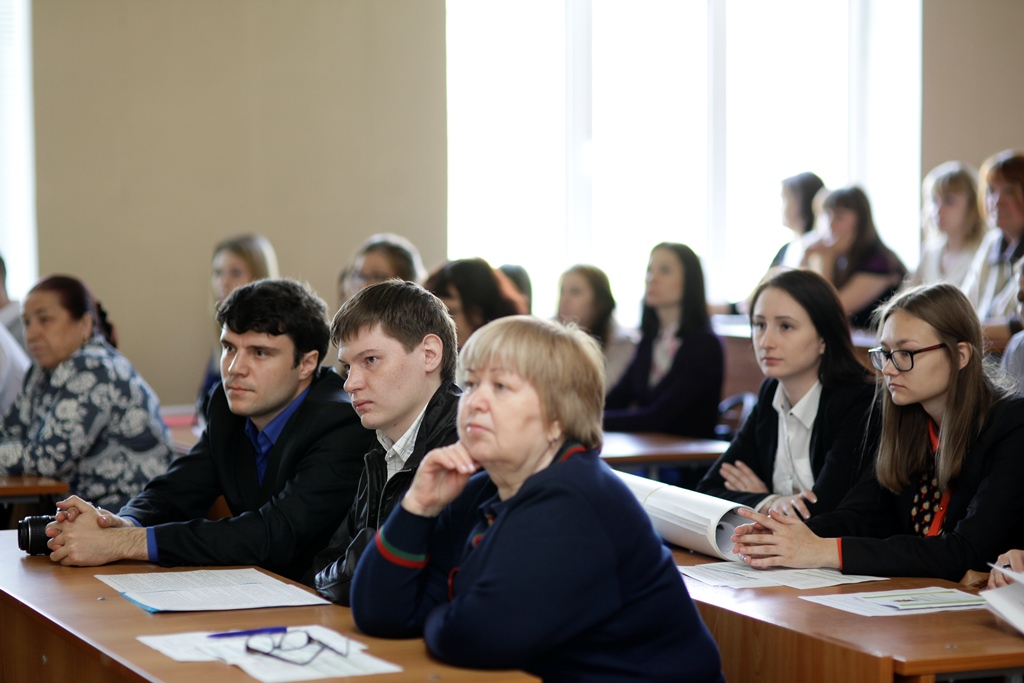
85, 416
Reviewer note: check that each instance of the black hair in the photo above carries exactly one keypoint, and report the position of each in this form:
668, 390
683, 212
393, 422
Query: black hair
817, 296
277, 307
77, 300
695, 305
804, 187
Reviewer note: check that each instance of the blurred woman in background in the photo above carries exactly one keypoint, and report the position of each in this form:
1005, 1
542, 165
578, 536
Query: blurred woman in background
952, 228
585, 298
674, 382
237, 261
475, 294
853, 257
85, 416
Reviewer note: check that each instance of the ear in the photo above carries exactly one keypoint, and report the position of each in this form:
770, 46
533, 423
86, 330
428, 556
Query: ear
555, 431
308, 364
964, 352
433, 352
821, 346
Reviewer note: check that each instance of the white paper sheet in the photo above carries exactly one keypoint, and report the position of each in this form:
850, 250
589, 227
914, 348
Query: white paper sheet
881, 604
208, 590
1007, 601
196, 647
739, 575
689, 519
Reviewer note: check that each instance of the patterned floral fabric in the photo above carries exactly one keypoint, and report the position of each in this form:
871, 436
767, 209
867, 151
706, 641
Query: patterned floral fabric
93, 422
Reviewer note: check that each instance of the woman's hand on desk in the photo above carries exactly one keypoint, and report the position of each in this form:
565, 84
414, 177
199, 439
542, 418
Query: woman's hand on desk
777, 540
739, 477
1013, 560
793, 505
439, 480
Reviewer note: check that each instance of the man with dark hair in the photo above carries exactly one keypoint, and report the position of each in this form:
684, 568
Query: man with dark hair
10, 311
397, 343
282, 445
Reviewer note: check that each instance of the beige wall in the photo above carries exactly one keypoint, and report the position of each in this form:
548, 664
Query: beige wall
972, 91
162, 127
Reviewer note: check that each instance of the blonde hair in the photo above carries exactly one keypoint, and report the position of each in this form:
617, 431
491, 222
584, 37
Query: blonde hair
904, 449
256, 251
562, 363
953, 177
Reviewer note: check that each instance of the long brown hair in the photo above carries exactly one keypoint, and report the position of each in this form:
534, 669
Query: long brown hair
866, 240
904, 449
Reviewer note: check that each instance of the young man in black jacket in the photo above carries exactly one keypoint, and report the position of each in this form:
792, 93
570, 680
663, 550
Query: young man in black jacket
282, 445
397, 343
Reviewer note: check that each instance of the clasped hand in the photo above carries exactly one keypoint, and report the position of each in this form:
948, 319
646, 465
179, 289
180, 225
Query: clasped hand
439, 480
77, 536
779, 540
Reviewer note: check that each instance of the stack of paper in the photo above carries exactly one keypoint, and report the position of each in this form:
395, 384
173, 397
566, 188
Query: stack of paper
738, 575
208, 589
1008, 601
899, 602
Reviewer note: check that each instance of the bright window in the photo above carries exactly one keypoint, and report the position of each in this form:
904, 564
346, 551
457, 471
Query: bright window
589, 131
17, 155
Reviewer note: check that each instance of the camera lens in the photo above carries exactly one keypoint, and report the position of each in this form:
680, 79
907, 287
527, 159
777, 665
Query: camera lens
32, 534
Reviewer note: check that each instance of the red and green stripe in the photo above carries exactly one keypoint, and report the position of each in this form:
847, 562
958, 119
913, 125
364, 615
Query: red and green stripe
400, 557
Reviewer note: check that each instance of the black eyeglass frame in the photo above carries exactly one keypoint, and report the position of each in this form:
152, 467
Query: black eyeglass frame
278, 643
879, 353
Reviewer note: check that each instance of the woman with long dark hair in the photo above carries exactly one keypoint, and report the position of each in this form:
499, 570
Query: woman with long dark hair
809, 438
674, 382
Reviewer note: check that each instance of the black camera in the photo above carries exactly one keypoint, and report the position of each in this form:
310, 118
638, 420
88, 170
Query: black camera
32, 534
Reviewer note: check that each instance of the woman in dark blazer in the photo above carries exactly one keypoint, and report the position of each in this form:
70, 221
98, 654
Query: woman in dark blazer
801, 340
674, 382
944, 496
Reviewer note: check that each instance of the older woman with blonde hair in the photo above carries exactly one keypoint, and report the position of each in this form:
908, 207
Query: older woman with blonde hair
544, 561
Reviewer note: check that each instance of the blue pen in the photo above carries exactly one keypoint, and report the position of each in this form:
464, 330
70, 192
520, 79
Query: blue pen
253, 632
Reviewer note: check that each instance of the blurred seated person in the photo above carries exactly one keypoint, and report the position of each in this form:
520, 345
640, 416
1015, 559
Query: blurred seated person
236, 261
948, 472
85, 415
953, 226
852, 256
799, 214
544, 561
989, 283
585, 298
381, 257
521, 279
396, 345
10, 311
475, 294
674, 382
14, 365
1012, 362
808, 439
281, 444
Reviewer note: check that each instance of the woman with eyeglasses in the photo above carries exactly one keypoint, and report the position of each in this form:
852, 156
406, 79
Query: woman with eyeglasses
809, 438
945, 495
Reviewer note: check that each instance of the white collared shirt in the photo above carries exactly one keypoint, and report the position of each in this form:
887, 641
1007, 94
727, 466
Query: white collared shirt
398, 452
792, 472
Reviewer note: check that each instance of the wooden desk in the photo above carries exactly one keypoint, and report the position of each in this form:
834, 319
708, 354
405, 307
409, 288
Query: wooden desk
770, 634
645, 449
29, 489
62, 624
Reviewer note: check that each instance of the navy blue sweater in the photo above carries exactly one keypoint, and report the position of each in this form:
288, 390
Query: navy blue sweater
566, 579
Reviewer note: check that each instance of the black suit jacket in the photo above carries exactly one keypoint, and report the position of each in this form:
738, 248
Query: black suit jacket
843, 445
983, 518
307, 488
